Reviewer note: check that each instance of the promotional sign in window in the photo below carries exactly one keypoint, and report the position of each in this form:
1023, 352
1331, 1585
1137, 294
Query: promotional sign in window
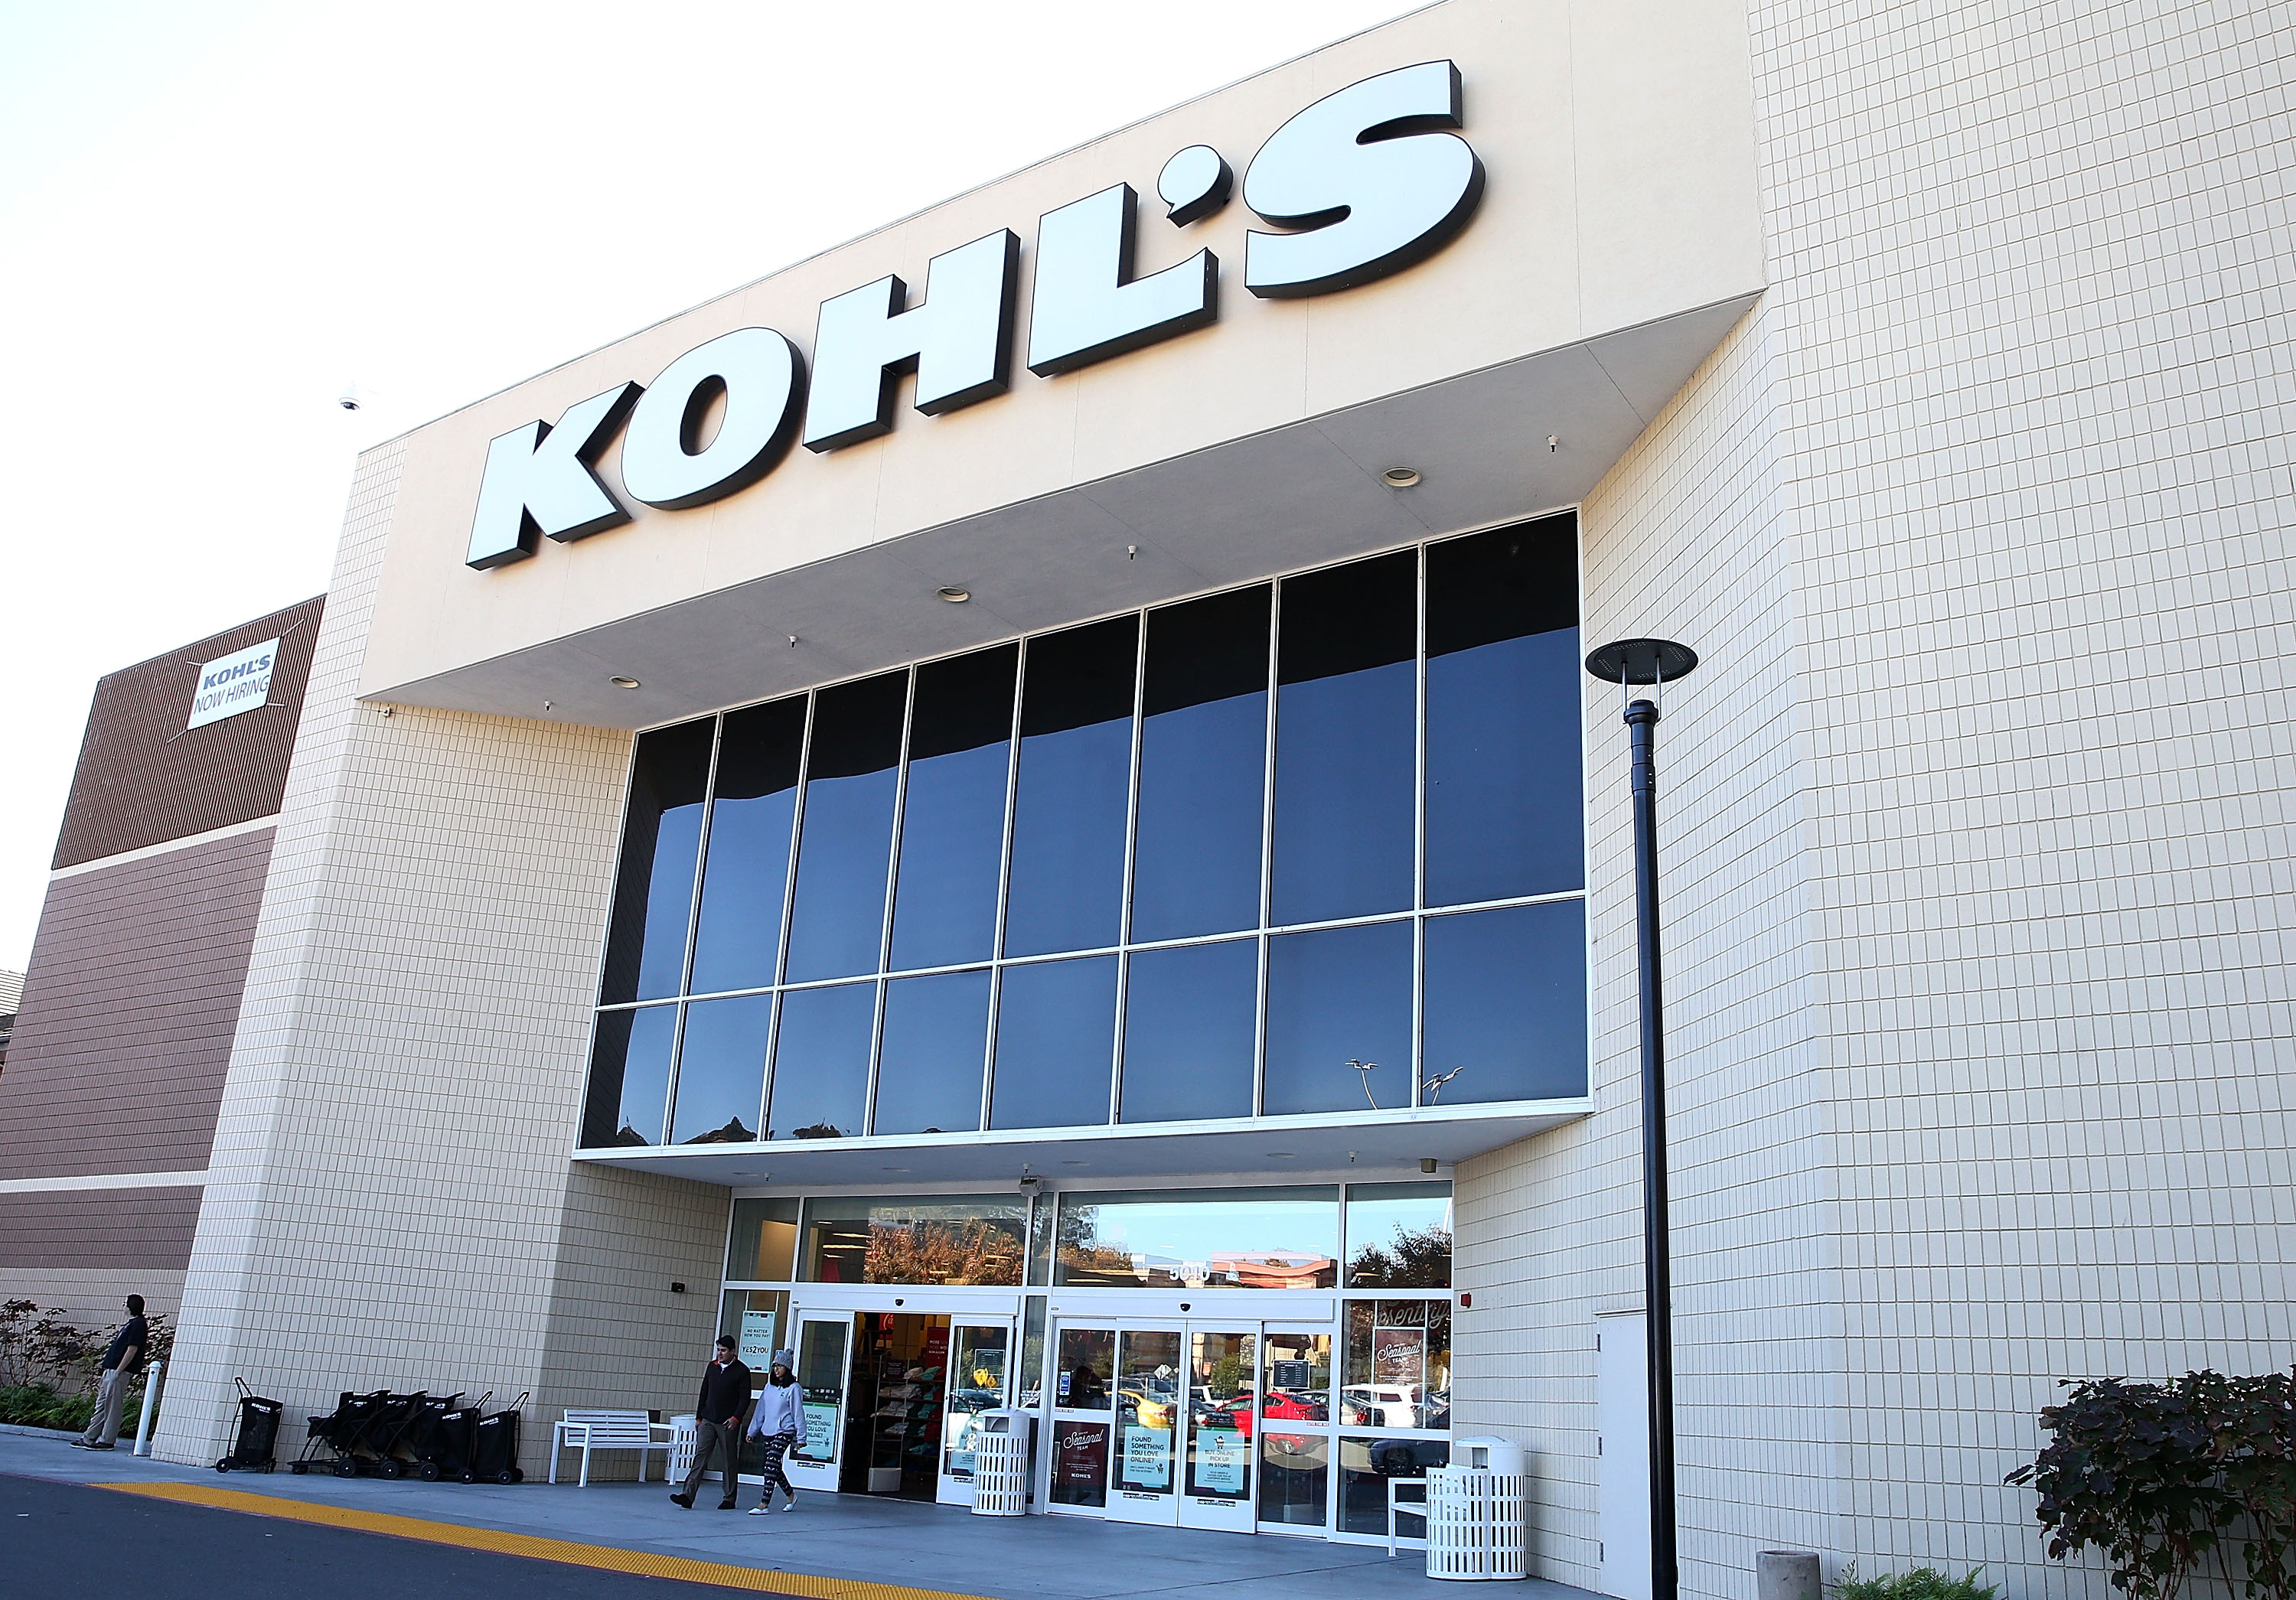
1219, 1461
238, 682
1081, 1464
1147, 1457
820, 1433
757, 1340
1399, 1354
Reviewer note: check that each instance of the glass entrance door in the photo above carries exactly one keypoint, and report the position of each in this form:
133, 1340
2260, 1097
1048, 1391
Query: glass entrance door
1151, 1396
824, 1353
1084, 1416
1218, 1417
980, 1379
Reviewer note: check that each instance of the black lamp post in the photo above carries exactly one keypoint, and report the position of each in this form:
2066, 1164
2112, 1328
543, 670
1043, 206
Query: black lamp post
1654, 663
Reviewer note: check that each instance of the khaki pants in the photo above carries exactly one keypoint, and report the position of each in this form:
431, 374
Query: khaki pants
708, 1438
110, 1398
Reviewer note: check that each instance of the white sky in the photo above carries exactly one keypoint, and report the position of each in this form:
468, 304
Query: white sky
213, 217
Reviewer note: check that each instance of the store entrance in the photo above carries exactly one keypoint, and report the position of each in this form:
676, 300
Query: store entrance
1154, 1422
893, 1417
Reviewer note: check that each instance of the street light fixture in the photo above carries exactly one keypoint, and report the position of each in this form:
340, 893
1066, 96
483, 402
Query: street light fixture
1654, 663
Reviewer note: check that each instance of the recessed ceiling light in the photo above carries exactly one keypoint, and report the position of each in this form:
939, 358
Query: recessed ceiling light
1400, 477
896, 1169
955, 595
620, 682
1283, 1155
1076, 1163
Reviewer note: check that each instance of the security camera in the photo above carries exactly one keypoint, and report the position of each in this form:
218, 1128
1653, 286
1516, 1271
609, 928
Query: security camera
349, 399
1030, 1183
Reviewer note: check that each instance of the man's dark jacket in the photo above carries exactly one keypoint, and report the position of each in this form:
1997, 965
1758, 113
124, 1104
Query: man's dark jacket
724, 1392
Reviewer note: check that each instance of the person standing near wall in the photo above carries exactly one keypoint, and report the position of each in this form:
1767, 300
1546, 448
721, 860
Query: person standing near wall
776, 1425
717, 1424
122, 1363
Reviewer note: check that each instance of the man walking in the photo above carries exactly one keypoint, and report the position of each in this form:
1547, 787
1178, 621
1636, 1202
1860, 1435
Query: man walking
122, 1363
717, 1424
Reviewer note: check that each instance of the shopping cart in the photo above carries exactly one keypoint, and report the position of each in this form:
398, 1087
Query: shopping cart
494, 1448
258, 1431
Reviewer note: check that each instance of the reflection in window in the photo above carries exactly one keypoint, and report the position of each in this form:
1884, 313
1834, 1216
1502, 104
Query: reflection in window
1203, 749
846, 840
737, 937
1399, 1236
763, 1244
1187, 1032
1055, 1044
1398, 1364
1505, 1005
1076, 766
1264, 1238
661, 836
1366, 1464
721, 1071
1505, 801
629, 1077
1338, 1019
821, 1062
969, 1239
953, 814
1346, 718
1295, 1408
928, 1066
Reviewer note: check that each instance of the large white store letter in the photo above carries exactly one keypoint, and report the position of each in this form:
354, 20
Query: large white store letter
1369, 179
538, 479
959, 343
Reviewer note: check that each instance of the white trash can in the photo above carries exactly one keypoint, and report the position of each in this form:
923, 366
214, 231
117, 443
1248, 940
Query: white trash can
1001, 1461
1478, 1512
683, 1440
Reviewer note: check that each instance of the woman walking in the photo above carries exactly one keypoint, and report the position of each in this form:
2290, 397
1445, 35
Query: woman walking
775, 1426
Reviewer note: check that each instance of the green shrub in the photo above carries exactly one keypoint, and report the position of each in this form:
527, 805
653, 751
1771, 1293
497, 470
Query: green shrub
39, 1405
1923, 1583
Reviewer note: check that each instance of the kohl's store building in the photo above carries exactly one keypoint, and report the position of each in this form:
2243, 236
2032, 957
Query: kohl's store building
1015, 807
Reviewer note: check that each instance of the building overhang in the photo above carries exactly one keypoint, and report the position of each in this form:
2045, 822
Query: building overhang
1380, 1146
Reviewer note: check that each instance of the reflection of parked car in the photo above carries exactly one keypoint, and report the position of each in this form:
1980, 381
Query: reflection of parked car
1142, 1409
1295, 1452
1392, 1457
1296, 1406
1232, 1414
1380, 1406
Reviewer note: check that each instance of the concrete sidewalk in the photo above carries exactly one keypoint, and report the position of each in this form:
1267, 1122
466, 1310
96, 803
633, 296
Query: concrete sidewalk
933, 1547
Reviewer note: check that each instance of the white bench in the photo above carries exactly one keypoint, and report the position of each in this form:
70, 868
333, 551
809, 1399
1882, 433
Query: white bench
588, 1431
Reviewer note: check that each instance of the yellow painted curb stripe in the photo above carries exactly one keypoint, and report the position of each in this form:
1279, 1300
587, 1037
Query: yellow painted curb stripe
604, 1557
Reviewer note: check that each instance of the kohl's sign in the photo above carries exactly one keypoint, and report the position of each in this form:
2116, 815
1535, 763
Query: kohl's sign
238, 682
1361, 183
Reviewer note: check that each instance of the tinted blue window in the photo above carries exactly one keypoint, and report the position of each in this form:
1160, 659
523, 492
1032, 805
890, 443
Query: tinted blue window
1076, 766
932, 1054
1505, 802
1055, 1033
1203, 749
845, 841
1188, 1033
661, 836
1338, 1019
1505, 1014
821, 1062
721, 1071
629, 1077
737, 937
1346, 719
953, 817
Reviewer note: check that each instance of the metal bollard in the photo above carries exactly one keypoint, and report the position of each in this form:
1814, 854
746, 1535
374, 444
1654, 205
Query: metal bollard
152, 1374
1786, 1575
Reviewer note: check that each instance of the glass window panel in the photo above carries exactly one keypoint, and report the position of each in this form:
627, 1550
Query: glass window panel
1203, 752
661, 837
1398, 1364
1148, 1376
737, 937
1346, 730
976, 1383
1067, 886
1505, 1009
1338, 1019
758, 1321
1295, 1442
1188, 1017
847, 840
924, 1239
1031, 1397
821, 1372
821, 1062
1505, 802
763, 1244
1055, 1037
933, 1050
1087, 1374
1264, 1238
1399, 1236
1221, 1372
953, 814
1367, 1463
721, 1071
629, 1077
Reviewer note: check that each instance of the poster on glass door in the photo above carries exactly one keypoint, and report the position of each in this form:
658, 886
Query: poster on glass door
1147, 1457
1220, 1461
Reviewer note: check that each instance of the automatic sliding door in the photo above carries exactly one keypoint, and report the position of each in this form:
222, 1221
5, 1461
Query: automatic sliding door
978, 1381
1083, 1415
1150, 1381
1295, 1431
824, 1353
1216, 1490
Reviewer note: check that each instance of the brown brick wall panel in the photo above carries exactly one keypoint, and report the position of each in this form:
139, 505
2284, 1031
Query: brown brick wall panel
124, 1230
129, 1007
142, 779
